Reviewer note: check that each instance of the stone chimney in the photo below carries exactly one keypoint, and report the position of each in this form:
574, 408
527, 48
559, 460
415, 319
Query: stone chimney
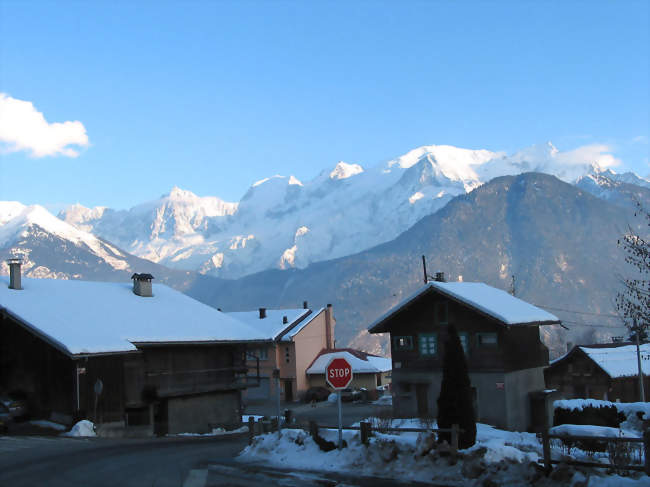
142, 285
329, 327
262, 313
14, 273
440, 277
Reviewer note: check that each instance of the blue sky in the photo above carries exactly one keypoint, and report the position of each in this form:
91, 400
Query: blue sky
212, 96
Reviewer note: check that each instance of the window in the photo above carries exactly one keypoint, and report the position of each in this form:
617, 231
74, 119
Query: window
260, 353
464, 341
403, 343
287, 356
428, 343
487, 339
442, 312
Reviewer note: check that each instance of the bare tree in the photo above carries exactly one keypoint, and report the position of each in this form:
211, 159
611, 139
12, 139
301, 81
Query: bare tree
634, 302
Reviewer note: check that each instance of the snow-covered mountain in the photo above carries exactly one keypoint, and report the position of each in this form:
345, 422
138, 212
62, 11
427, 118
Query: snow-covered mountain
282, 222
25, 230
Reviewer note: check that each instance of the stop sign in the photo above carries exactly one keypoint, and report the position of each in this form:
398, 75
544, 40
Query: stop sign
338, 373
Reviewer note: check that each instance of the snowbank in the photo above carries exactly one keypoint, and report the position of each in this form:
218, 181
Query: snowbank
216, 432
498, 458
589, 430
82, 428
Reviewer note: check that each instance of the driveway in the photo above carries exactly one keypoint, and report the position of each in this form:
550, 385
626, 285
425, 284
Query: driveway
324, 413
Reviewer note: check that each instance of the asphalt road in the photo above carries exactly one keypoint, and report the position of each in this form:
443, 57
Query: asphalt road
324, 413
153, 462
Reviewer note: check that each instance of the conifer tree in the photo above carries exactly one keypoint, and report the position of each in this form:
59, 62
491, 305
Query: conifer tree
455, 401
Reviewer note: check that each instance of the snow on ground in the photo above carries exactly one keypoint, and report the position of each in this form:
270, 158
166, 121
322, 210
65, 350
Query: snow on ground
632, 424
82, 428
48, 424
498, 458
385, 400
216, 432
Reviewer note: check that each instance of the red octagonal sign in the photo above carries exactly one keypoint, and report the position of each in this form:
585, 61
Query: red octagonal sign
338, 373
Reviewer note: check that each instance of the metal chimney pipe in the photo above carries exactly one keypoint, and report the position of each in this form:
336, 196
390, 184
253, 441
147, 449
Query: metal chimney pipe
15, 273
262, 313
304, 305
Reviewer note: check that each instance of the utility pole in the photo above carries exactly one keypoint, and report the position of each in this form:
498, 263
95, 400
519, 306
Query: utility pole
636, 328
424, 267
513, 289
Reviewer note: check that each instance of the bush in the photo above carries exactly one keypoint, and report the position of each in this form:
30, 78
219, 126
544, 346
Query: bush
596, 416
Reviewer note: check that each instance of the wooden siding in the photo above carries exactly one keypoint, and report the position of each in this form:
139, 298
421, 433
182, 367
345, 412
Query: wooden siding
577, 376
518, 347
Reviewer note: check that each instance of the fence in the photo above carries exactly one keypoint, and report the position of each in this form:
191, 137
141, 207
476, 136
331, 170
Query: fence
365, 430
618, 462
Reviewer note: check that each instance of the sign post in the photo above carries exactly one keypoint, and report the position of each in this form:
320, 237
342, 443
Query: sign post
338, 374
276, 376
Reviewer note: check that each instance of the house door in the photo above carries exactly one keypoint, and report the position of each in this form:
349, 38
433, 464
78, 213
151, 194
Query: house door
288, 390
422, 396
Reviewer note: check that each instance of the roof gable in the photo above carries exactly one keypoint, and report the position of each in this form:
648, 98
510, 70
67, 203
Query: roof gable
487, 300
272, 327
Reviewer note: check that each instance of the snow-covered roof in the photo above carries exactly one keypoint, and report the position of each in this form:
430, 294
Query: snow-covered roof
361, 363
489, 300
82, 317
620, 361
272, 327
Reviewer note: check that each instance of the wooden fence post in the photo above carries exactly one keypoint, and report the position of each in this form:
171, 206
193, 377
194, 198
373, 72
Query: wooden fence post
546, 449
646, 451
251, 429
313, 429
454, 439
365, 429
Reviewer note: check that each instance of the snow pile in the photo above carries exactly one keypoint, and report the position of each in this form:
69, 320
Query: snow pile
590, 430
83, 428
333, 397
498, 458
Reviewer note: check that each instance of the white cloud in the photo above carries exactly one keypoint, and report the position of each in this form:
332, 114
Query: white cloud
587, 154
640, 139
23, 128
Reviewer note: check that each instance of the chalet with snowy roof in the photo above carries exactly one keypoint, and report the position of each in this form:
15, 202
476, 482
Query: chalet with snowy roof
368, 371
155, 355
602, 371
500, 335
292, 339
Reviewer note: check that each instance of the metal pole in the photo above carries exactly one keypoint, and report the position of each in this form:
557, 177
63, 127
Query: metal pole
638, 359
277, 387
77, 371
424, 268
340, 421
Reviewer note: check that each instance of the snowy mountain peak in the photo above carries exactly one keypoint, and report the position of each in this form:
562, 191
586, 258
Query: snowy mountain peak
9, 210
343, 170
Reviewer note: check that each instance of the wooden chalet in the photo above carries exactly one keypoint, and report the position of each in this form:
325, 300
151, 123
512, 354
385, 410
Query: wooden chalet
112, 353
602, 371
500, 335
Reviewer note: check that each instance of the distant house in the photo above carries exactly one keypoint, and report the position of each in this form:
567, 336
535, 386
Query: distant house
368, 371
112, 352
602, 371
292, 339
500, 335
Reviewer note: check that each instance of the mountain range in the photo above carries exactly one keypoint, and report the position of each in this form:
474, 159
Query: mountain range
354, 237
283, 223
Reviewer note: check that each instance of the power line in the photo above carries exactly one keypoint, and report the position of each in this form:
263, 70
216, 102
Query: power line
577, 312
